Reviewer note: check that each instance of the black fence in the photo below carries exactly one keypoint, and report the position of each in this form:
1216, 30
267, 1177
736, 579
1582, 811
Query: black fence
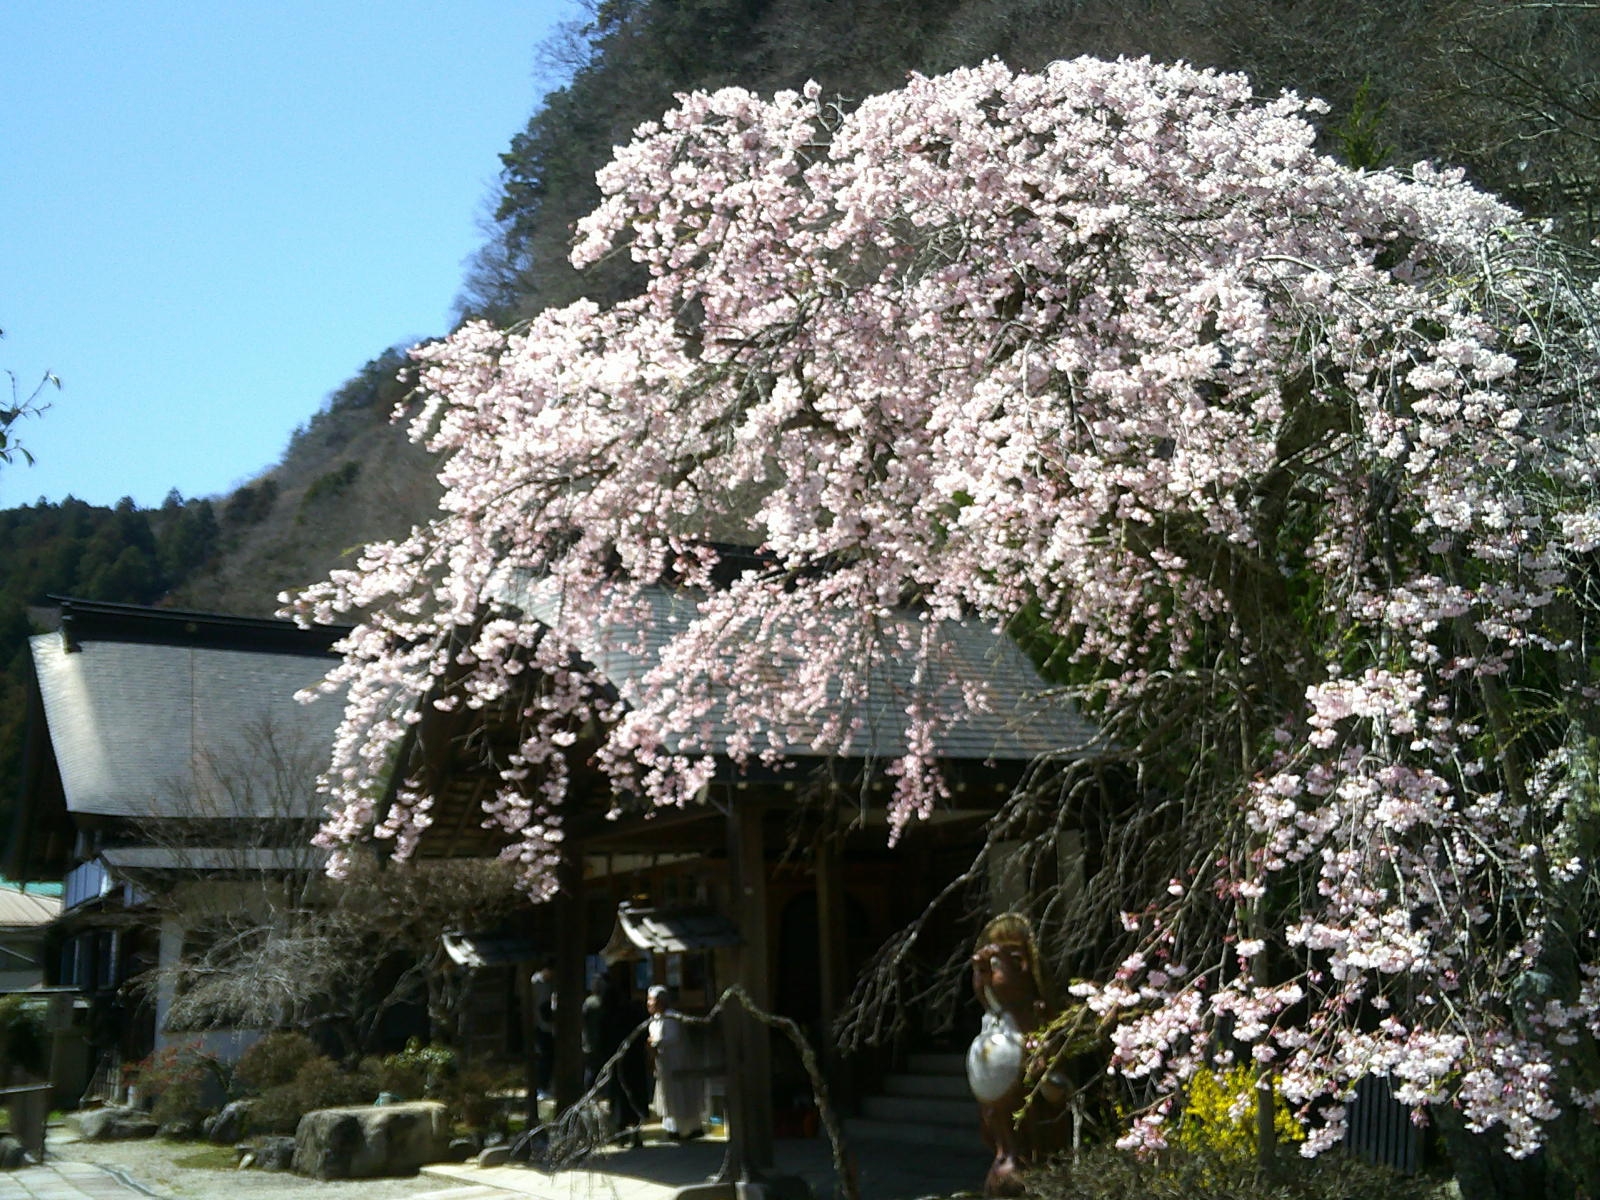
1380, 1128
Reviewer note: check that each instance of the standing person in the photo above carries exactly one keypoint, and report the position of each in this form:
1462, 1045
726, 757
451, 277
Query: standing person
595, 1050
544, 1029
629, 1086
680, 1090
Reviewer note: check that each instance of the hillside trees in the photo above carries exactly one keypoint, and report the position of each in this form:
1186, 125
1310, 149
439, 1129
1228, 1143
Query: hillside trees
627, 61
1291, 467
347, 476
1506, 90
124, 555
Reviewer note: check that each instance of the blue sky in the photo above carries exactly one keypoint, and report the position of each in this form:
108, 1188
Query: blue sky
213, 213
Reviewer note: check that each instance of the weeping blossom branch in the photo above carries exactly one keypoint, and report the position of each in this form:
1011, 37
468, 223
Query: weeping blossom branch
1289, 464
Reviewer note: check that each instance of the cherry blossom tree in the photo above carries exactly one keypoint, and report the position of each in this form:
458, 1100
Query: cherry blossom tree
1288, 469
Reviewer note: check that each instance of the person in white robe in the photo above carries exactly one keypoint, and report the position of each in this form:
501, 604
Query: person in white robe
680, 1094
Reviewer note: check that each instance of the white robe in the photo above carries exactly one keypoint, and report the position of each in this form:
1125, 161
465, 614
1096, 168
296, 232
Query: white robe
680, 1096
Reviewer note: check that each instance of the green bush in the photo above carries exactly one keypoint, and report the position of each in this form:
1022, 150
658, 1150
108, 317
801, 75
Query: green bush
273, 1061
472, 1099
24, 1047
1106, 1173
319, 1083
418, 1072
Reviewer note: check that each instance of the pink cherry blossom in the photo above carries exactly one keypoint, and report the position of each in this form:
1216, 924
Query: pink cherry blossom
1289, 468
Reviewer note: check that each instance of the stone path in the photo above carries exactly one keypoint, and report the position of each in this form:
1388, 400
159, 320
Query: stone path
57, 1180
656, 1172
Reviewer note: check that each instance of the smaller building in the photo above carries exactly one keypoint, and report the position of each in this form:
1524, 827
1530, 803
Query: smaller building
165, 751
25, 935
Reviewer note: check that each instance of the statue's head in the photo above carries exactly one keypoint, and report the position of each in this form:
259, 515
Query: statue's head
1005, 963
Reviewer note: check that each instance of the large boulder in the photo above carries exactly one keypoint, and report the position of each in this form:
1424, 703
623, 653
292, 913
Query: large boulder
371, 1141
113, 1124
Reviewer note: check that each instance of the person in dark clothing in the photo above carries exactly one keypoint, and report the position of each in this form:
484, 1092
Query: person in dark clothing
593, 1029
629, 1086
544, 1028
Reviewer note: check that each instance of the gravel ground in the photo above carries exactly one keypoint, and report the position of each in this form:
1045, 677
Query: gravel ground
150, 1164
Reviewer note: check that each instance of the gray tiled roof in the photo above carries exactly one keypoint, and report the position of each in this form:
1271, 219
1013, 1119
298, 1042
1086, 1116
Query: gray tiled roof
1023, 718
19, 908
214, 858
146, 730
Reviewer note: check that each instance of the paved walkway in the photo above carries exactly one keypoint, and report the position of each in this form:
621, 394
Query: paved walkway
60, 1180
884, 1170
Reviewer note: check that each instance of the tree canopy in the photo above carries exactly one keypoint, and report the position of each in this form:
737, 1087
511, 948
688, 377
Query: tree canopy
1288, 468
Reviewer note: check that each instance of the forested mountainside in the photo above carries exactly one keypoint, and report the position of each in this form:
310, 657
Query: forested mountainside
1510, 91
123, 554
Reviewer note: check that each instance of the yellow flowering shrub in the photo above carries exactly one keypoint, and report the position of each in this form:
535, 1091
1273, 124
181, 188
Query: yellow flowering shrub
1219, 1115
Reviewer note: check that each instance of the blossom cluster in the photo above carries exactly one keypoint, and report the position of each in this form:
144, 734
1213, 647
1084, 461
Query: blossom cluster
1113, 345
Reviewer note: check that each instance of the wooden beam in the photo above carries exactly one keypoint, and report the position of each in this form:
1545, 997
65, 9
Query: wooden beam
595, 830
831, 953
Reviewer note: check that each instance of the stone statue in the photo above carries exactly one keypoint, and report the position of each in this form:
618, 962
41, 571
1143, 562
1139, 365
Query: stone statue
1002, 1065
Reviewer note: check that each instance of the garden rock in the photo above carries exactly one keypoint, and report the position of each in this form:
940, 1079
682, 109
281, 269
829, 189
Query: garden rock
228, 1125
275, 1154
12, 1155
114, 1124
371, 1141
461, 1149
494, 1156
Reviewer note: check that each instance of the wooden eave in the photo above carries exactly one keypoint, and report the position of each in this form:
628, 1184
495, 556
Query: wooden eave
459, 783
451, 754
92, 620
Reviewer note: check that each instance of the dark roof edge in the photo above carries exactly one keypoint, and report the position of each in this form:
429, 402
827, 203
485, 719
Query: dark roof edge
101, 621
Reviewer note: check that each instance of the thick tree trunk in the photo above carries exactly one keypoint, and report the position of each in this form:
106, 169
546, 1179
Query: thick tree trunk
1266, 1128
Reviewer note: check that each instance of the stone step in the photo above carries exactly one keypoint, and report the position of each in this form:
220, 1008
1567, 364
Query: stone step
951, 1087
871, 1129
951, 1062
931, 1110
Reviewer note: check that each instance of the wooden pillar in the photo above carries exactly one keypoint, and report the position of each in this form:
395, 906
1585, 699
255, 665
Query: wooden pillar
748, 1041
832, 932
571, 987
